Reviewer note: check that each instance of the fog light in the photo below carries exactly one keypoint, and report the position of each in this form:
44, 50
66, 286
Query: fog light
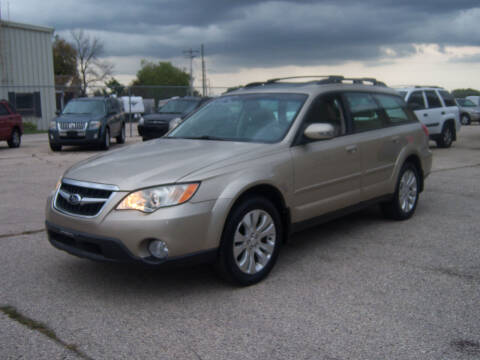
158, 249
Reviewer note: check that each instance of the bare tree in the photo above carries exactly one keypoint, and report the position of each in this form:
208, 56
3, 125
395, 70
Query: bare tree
91, 68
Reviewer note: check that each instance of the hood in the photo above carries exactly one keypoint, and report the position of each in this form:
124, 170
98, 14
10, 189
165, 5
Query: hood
157, 162
78, 117
161, 117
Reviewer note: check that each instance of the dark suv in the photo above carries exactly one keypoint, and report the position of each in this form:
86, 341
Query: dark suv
11, 127
156, 125
88, 121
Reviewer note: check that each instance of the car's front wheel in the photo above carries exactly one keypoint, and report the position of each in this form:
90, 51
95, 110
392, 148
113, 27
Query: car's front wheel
251, 241
106, 139
15, 139
55, 147
121, 137
404, 201
446, 137
465, 119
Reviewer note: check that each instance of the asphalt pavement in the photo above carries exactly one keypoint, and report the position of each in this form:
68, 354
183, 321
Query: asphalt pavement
360, 287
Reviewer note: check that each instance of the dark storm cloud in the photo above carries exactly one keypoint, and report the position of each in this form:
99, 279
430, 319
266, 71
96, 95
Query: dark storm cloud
274, 33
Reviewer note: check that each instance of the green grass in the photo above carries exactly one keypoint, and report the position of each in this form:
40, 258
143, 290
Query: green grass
30, 128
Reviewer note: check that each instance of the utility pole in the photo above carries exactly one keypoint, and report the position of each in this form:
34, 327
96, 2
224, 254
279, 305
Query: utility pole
191, 54
204, 76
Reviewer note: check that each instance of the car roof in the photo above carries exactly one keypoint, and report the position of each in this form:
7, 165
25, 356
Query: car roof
419, 88
330, 83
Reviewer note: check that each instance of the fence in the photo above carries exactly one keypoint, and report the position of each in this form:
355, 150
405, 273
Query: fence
38, 104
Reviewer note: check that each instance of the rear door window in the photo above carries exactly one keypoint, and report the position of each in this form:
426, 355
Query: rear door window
366, 114
448, 99
432, 99
395, 109
416, 98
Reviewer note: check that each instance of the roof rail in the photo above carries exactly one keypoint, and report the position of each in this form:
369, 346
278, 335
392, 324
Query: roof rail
325, 79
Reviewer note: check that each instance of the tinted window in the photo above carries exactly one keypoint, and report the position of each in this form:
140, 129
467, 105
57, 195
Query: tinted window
3, 110
364, 111
448, 99
416, 99
394, 108
465, 103
432, 99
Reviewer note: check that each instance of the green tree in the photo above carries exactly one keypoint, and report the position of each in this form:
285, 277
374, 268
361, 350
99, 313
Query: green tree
461, 93
175, 81
64, 62
115, 87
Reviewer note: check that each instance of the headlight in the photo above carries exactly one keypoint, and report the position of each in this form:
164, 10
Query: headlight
174, 123
141, 121
94, 124
53, 125
149, 200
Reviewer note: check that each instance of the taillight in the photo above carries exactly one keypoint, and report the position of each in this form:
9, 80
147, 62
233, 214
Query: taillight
425, 130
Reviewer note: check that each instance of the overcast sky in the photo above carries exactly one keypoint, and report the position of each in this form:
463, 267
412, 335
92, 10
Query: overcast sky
397, 41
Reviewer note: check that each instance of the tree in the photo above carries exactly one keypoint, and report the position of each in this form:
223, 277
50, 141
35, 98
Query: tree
461, 93
92, 68
115, 87
64, 62
175, 81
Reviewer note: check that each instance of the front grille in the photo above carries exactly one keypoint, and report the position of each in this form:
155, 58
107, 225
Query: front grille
83, 199
73, 125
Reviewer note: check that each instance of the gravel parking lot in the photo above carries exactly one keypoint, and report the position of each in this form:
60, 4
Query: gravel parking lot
360, 287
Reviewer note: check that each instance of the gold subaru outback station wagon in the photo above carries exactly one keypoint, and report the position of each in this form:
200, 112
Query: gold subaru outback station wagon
235, 178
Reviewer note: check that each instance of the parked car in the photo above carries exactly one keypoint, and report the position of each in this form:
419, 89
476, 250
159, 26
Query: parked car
88, 121
156, 125
234, 179
475, 99
437, 109
11, 126
468, 111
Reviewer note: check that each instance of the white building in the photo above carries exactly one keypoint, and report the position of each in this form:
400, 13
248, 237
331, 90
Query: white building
26, 71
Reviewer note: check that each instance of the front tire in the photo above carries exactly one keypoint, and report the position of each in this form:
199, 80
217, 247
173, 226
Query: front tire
121, 137
55, 147
251, 241
106, 139
465, 119
405, 199
446, 137
15, 139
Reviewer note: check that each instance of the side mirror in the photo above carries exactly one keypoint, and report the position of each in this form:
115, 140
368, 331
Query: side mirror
320, 131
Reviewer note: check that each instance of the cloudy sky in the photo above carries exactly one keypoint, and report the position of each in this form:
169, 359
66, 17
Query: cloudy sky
397, 41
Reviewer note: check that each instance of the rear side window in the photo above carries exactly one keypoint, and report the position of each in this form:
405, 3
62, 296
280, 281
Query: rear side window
448, 99
3, 110
432, 99
394, 108
416, 98
365, 112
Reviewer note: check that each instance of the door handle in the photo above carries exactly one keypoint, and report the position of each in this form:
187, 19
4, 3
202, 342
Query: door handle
351, 149
395, 139
425, 115
443, 112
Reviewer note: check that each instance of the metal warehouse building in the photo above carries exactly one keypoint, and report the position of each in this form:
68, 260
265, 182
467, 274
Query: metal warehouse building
26, 71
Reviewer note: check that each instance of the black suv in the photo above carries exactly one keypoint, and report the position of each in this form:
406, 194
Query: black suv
156, 125
88, 121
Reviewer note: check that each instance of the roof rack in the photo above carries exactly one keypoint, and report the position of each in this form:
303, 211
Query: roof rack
325, 79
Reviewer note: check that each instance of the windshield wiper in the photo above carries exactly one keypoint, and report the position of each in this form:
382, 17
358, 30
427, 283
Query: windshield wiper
203, 137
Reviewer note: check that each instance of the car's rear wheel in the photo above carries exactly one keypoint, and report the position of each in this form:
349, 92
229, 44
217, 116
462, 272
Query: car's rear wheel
465, 119
446, 137
106, 139
251, 241
55, 147
121, 137
404, 201
15, 139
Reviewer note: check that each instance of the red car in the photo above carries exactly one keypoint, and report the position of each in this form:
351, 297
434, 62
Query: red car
11, 127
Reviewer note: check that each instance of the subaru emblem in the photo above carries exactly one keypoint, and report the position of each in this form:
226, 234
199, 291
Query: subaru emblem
74, 199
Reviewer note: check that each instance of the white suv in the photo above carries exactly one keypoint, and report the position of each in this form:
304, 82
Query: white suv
436, 108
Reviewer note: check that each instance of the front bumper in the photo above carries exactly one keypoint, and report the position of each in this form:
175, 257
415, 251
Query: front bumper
112, 250
148, 131
86, 137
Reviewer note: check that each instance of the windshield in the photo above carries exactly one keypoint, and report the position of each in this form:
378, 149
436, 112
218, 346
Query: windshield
251, 118
180, 106
465, 103
94, 107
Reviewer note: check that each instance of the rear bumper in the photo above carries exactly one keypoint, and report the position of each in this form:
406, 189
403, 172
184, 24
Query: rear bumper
105, 249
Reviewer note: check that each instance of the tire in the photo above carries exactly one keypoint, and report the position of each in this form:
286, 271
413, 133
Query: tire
404, 201
15, 139
55, 147
446, 137
106, 140
465, 119
121, 137
243, 243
